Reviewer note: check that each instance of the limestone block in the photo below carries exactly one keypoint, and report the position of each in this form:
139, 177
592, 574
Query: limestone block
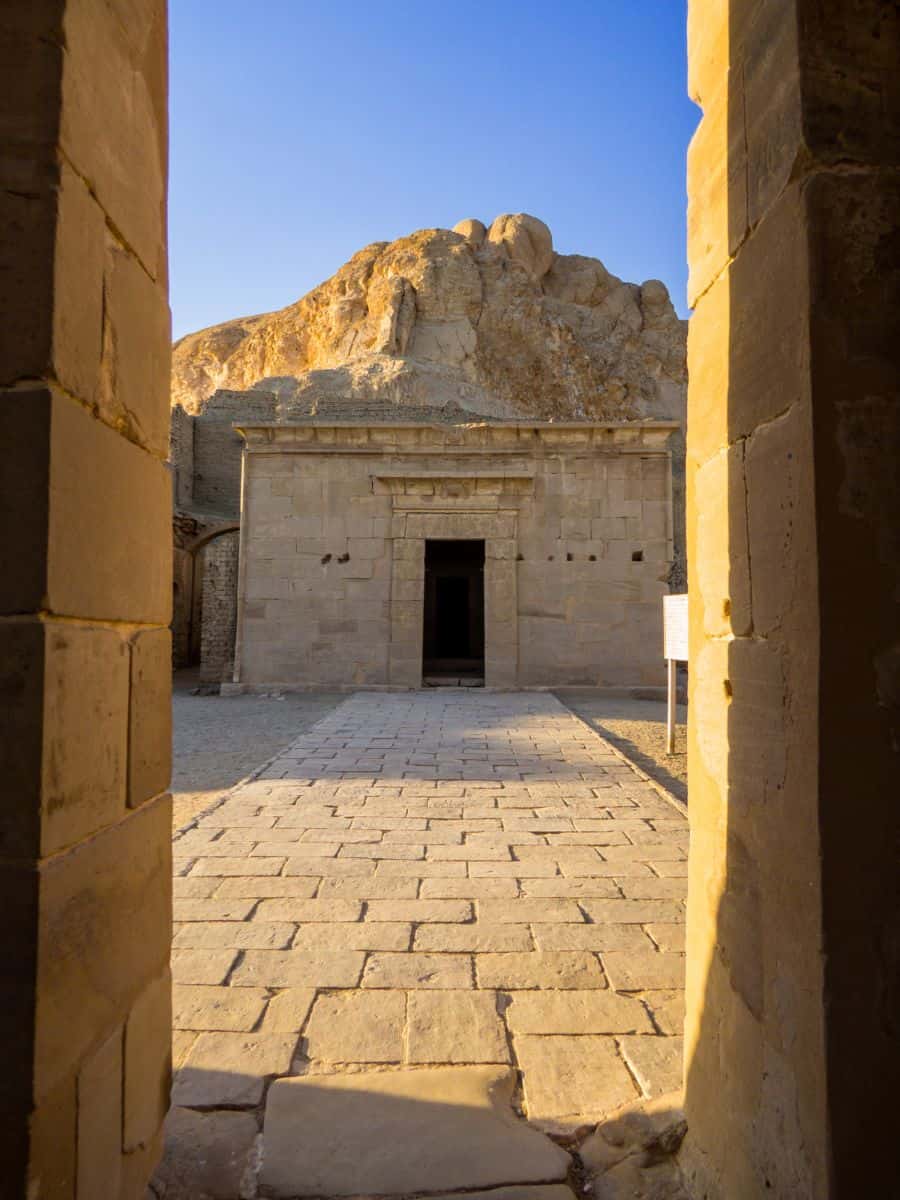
357, 1026
100, 1119
147, 1064
107, 86
456, 1124
149, 715
572, 1080
229, 1069
106, 911
78, 298
134, 389
209, 1155
98, 565
455, 1027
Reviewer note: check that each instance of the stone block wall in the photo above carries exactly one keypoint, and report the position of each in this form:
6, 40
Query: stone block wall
577, 523
218, 608
85, 505
793, 931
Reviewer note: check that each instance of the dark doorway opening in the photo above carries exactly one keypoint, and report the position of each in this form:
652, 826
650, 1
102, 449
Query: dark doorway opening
453, 642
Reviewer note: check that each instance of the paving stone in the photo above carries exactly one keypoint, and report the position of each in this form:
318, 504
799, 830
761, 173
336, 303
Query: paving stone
372, 886
535, 970
570, 1081
288, 1010
455, 1027
297, 910
656, 1062
670, 870
229, 1069
468, 889
426, 870
418, 971
455, 1127
381, 850
571, 888
667, 1009
597, 1011
258, 887
202, 966
357, 1027
240, 935
182, 1040
327, 867
299, 968
522, 912
237, 866
366, 935
193, 889
512, 870
668, 935
623, 912
206, 1156
306, 849
444, 911
636, 971
478, 936
216, 1008
654, 889
591, 937
470, 852
212, 910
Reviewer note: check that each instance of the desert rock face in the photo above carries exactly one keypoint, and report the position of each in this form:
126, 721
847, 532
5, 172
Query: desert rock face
488, 317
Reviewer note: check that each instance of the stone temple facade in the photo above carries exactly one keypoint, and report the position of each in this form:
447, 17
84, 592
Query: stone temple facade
412, 545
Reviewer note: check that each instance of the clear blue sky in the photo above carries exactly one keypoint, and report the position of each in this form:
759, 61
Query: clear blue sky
304, 129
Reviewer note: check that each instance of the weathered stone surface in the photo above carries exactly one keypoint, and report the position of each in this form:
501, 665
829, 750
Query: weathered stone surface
419, 910
635, 970
455, 1027
418, 971
494, 320
576, 1012
208, 1156
202, 966
357, 1027
216, 1008
229, 1069
288, 1010
354, 935
547, 970
570, 1080
454, 1125
477, 936
631, 1155
656, 1062
299, 968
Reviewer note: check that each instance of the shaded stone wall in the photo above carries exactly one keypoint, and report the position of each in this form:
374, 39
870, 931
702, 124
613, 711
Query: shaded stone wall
578, 529
85, 593
218, 608
791, 1034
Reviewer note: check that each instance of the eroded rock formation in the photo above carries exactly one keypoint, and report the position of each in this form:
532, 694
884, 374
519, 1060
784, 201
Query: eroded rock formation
490, 318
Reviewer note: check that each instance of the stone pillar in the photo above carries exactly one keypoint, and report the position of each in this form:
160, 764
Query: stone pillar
85, 586
219, 608
793, 524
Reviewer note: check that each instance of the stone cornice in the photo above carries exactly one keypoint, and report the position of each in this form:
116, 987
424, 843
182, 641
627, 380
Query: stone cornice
495, 437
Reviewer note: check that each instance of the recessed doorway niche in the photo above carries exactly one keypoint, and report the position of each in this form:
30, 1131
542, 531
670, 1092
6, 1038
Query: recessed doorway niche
453, 632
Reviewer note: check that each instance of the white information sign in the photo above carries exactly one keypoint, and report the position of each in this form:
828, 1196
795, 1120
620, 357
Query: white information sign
675, 627
675, 649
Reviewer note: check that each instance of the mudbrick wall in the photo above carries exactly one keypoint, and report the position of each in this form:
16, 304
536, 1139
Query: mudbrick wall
218, 608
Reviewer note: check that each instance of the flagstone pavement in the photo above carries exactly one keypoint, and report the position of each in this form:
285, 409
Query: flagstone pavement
426, 893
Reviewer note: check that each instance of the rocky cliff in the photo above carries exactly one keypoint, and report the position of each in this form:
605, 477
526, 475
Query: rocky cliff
489, 318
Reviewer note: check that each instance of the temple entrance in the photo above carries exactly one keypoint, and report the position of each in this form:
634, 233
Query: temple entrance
453, 641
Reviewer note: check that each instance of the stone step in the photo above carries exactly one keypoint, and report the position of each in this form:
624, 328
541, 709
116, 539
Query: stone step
397, 1132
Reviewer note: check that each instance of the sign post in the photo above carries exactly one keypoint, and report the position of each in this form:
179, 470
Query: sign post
675, 650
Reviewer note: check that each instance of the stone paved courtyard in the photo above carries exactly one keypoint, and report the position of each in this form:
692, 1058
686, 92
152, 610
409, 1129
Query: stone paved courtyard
429, 906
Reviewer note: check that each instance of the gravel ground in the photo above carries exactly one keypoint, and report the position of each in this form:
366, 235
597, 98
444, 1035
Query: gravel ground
218, 740
638, 729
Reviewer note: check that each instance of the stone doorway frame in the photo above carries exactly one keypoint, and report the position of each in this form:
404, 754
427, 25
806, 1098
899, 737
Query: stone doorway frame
501, 625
